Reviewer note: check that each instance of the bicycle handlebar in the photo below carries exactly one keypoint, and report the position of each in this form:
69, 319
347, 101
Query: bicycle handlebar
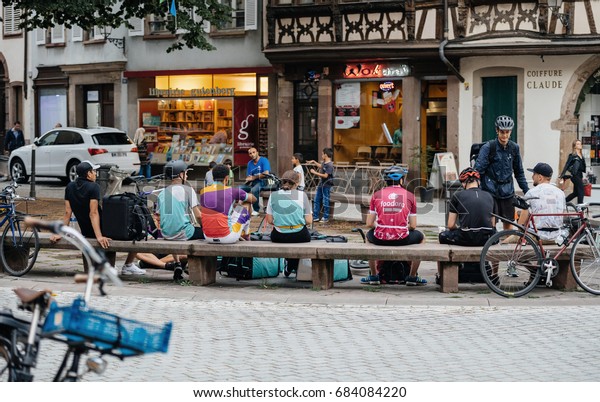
97, 260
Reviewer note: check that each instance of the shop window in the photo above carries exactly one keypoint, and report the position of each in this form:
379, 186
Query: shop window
11, 18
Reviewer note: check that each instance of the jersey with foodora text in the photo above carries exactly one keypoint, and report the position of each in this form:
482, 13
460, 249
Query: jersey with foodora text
392, 206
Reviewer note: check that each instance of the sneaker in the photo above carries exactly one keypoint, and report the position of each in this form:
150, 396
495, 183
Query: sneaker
370, 280
316, 219
415, 281
170, 266
255, 213
287, 271
132, 269
324, 220
178, 272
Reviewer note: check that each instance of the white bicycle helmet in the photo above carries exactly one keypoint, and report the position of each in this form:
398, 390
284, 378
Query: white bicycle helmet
504, 123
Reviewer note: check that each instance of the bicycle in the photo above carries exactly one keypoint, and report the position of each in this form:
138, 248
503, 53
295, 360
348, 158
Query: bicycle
20, 244
514, 261
81, 328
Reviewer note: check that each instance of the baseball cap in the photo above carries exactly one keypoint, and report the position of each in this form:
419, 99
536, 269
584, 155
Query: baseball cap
85, 167
542, 168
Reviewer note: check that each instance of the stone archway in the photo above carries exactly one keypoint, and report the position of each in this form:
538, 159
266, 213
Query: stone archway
568, 122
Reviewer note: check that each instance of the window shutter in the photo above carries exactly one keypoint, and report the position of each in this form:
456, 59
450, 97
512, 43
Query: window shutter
12, 18
76, 33
40, 36
138, 27
98, 33
57, 34
206, 26
250, 11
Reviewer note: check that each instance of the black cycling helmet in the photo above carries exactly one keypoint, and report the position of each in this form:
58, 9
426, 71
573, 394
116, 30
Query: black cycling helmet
468, 175
504, 123
394, 173
173, 168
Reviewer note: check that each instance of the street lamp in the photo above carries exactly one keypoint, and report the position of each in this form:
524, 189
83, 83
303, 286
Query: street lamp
118, 42
555, 5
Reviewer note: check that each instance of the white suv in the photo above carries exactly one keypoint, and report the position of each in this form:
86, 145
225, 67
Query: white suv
60, 150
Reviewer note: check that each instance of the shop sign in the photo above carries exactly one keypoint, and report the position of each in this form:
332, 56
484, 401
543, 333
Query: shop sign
347, 106
178, 93
245, 128
544, 79
376, 70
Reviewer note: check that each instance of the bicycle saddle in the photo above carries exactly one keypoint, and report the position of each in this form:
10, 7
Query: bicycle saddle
31, 297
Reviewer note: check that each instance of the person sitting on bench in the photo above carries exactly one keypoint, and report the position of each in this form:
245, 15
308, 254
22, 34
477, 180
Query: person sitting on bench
393, 219
289, 211
472, 209
225, 210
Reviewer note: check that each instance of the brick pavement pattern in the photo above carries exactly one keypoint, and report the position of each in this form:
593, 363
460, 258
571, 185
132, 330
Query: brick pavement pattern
263, 341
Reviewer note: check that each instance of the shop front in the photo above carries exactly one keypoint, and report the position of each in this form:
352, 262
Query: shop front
203, 118
371, 125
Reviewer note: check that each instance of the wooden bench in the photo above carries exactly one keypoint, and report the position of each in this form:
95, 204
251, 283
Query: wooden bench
202, 262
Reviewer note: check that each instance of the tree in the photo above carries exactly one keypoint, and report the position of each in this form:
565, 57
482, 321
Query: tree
114, 13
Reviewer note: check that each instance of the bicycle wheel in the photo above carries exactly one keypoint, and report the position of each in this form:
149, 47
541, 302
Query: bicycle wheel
20, 247
585, 263
510, 263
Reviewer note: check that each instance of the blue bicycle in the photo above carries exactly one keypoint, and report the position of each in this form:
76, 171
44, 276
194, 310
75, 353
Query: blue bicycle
20, 244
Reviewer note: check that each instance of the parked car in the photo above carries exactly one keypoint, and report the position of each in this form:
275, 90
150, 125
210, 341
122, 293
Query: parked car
59, 151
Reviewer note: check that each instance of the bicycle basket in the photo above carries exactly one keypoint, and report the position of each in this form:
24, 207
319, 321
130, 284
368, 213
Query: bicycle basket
107, 332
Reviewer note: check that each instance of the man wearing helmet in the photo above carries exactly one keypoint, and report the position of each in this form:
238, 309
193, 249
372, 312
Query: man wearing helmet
174, 205
393, 219
497, 162
470, 222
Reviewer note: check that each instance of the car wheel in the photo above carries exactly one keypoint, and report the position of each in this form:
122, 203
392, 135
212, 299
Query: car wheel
18, 172
72, 171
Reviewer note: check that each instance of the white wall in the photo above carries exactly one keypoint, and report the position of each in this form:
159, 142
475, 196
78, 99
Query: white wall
541, 106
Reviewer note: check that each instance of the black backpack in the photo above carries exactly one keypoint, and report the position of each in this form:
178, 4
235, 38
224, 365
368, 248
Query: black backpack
476, 148
127, 217
393, 272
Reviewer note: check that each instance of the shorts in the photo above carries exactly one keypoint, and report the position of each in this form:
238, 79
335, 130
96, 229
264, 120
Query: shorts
465, 237
505, 208
414, 237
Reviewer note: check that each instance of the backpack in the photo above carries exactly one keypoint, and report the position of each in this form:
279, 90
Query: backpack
242, 268
393, 272
341, 270
127, 217
470, 272
476, 148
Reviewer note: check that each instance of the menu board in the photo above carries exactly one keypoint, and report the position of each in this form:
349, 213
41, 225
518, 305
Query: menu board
347, 106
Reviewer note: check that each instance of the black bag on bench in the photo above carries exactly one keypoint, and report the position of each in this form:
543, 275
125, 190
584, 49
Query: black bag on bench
393, 272
126, 217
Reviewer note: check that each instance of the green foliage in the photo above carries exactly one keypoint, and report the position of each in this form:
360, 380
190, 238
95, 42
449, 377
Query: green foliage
114, 13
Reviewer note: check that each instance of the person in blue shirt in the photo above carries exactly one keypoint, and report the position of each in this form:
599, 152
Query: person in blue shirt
258, 168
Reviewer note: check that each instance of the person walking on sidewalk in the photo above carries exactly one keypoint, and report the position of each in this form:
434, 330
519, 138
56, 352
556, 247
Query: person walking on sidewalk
497, 162
82, 198
393, 219
325, 174
14, 138
574, 170
258, 168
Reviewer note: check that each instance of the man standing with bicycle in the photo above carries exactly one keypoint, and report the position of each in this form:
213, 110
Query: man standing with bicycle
497, 162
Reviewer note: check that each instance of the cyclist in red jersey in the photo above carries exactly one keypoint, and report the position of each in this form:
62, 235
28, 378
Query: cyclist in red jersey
393, 219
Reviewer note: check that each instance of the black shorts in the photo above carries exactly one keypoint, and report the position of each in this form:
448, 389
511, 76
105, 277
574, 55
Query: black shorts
414, 237
505, 208
465, 238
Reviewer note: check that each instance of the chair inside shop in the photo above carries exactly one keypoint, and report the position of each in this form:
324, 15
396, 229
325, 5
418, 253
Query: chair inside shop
381, 153
363, 154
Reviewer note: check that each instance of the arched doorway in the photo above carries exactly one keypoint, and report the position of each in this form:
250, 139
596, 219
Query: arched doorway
577, 111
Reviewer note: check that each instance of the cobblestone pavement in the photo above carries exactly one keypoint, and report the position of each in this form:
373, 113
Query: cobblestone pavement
258, 331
